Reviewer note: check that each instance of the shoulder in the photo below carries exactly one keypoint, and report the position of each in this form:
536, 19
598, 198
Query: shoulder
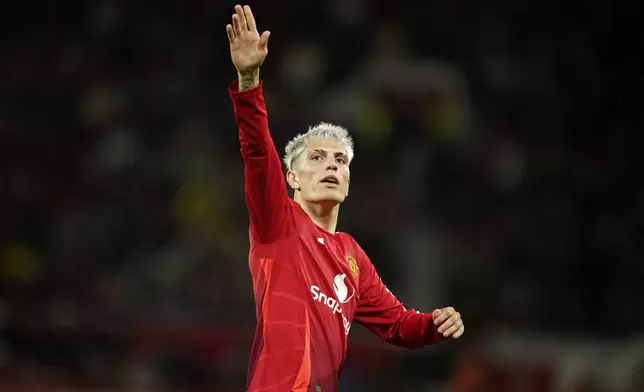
358, 261
353, 248
346, 239
298, 212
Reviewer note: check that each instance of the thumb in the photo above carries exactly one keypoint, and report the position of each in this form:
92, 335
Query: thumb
263, 40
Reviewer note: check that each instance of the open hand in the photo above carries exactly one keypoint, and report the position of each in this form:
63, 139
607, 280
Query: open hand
449, 322
247, 48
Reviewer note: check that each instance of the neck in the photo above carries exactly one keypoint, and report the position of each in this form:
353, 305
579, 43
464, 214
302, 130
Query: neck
323, 214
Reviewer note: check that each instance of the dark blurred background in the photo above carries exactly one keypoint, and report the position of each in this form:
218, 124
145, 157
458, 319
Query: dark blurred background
497, 170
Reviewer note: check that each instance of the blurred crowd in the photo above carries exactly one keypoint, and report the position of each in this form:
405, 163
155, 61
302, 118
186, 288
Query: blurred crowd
495, 171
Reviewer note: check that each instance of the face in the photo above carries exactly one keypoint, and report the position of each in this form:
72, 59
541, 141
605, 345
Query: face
321, 172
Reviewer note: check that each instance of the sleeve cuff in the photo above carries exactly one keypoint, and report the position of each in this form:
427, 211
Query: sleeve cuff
434, 337
233, 89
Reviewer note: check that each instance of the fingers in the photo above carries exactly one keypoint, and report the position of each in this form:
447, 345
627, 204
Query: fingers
243, 25
453, 320
449, 330
230, 33
236, 26
459, 333
443, 314
263, 40
449, 322
250, 19
244, 20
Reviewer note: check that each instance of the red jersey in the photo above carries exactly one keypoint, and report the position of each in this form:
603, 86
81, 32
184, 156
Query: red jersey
310, 285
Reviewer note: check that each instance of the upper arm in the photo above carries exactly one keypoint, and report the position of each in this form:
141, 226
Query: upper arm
265, 188
266, 197
377, 306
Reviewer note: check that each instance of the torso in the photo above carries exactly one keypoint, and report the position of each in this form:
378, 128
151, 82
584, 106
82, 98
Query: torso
312, 294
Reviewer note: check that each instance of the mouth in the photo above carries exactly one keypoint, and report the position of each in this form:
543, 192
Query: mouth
331, 180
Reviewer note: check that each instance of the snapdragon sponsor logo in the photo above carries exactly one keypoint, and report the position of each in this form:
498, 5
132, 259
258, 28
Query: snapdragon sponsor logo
341, 292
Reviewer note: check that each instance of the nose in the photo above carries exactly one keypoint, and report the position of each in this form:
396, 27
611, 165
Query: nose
332, 165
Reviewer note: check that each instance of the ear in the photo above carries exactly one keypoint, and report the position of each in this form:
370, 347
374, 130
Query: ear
293, 182
348, 185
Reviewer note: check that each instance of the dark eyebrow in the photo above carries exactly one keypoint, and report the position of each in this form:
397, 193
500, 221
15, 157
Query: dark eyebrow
324, 152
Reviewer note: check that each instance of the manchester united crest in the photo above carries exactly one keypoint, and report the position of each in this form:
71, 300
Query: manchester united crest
353, 265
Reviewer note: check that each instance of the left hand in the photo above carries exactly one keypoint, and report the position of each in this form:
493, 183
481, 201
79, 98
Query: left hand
449, 322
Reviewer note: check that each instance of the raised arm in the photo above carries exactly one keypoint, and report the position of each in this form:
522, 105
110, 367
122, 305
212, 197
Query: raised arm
381, 313
266, 196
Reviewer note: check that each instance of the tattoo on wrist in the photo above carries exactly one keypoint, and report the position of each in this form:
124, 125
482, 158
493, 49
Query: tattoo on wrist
248, 81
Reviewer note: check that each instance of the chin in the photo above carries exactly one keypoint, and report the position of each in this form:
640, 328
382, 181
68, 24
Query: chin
331, 198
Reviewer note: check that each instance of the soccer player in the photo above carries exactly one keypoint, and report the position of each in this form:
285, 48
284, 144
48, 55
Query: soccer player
310, 281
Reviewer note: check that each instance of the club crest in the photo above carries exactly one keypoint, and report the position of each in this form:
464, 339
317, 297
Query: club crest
353, 265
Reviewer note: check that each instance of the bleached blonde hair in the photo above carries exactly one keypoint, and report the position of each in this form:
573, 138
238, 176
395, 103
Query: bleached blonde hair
322, 131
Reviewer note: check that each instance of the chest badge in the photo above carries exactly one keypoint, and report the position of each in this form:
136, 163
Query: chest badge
353, 265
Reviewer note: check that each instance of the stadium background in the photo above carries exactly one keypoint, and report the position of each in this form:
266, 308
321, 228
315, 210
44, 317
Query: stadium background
496, 171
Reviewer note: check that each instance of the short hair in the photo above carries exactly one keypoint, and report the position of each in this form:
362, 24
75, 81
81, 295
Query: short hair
322, 131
